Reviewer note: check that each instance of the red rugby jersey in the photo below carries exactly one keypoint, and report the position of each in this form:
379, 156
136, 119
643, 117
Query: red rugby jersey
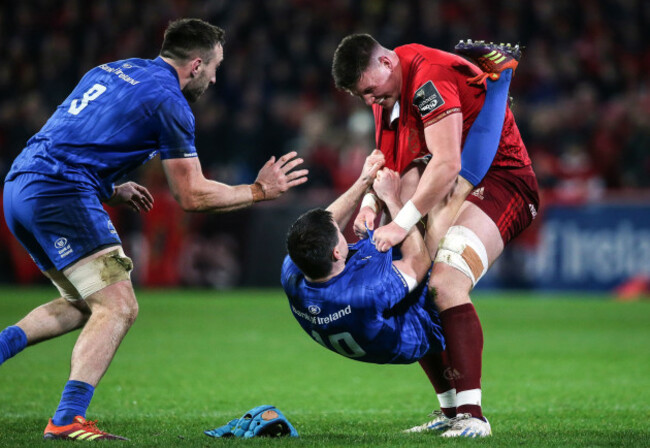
434, 85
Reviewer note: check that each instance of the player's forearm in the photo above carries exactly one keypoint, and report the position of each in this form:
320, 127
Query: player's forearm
436, 184
343, 207
195, 193
443, 214
393, 206
444, 142
414, 249
214, 197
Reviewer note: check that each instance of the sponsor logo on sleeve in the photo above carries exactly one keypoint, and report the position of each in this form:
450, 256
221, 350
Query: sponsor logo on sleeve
427, 99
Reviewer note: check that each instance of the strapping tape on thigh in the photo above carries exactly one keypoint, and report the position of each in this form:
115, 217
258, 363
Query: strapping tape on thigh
67, 291
462, 249
103, 271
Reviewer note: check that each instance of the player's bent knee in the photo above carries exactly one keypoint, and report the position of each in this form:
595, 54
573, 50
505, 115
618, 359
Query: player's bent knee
462, 249
105, 270
448, 286
126, 311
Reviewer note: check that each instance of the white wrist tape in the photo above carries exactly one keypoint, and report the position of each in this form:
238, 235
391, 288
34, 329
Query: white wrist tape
408, 216
370, 200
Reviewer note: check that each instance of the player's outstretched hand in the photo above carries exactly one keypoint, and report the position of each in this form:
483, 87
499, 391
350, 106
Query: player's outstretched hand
388, 236
134, 195
276, 177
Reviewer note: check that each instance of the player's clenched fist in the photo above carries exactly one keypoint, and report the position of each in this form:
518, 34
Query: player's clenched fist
388, 236
370, 167
387, 185
365, 220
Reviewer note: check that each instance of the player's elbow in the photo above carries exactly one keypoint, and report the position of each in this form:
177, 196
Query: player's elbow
452, 166
190, 207
420, 263
189, 202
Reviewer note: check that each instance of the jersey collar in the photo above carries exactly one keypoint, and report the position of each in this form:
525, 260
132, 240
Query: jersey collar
394, 115
161, 63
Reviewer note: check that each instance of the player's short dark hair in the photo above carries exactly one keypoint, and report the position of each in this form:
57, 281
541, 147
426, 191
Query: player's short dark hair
185, 37
351, 59
310, 242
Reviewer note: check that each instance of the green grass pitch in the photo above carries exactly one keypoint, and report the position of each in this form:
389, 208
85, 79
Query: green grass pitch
559, 371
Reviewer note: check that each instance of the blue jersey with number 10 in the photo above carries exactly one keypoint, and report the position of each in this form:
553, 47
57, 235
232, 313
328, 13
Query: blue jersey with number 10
120, 115
366, 312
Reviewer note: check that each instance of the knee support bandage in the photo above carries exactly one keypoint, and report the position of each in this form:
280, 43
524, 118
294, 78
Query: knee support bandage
462, 249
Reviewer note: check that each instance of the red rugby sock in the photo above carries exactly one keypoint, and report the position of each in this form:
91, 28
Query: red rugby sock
436, 366
464, 339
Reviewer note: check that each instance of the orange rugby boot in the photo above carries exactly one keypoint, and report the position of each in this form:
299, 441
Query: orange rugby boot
79, 429
490, 57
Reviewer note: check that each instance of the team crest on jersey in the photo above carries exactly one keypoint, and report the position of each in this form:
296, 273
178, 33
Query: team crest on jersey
61, 243
479, 193
313, 309
63, 248
111, 227
427, 99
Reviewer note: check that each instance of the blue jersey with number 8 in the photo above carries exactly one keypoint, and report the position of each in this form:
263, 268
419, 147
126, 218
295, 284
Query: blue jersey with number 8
120, 115
366, 312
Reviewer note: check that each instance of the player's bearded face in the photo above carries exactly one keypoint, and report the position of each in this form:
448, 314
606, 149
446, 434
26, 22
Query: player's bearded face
206, 75
196, 87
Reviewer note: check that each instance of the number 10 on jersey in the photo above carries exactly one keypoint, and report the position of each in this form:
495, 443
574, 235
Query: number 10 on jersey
342, 343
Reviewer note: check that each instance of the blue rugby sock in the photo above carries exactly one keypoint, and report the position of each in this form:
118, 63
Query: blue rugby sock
483, 138
74, 401
12, 341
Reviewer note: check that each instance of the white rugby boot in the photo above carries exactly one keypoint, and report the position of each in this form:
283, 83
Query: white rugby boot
464, 425
440, 422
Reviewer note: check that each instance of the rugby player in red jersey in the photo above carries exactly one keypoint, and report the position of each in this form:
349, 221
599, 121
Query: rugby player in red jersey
424, 101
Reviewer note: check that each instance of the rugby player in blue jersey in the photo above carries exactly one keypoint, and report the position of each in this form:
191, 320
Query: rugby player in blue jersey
119, 116
361, 302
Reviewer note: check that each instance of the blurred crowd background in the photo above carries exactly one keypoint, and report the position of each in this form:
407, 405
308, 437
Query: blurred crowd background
581, 100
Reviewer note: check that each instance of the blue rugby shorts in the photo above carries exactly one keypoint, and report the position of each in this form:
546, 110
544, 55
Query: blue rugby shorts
58, 222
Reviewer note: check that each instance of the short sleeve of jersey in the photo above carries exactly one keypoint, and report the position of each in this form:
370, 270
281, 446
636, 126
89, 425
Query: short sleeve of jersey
177, 130
435, 93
